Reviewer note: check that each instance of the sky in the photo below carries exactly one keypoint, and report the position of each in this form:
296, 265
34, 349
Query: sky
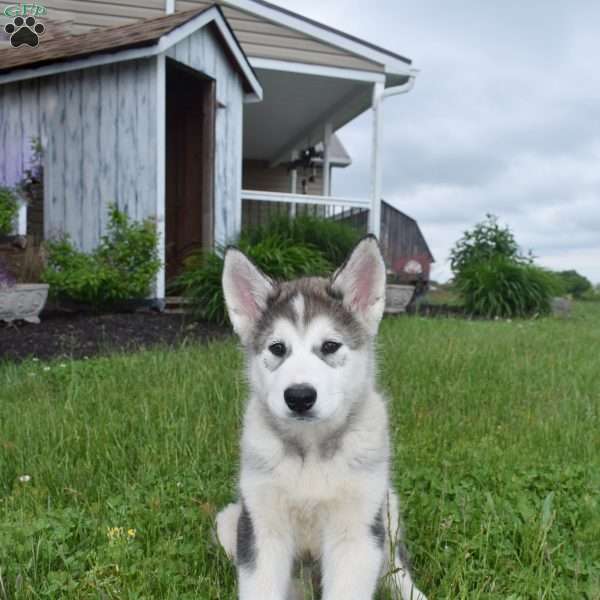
504, 119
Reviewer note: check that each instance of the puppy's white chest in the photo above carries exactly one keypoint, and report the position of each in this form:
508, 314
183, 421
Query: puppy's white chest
314, 482
308, 493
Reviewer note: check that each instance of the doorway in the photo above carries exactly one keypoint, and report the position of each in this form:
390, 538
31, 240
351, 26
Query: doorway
190, 159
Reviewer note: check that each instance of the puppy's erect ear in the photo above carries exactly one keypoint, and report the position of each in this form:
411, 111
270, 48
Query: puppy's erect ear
361, 282
246, 291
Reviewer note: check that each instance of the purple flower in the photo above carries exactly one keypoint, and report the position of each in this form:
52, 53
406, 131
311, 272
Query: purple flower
6, 278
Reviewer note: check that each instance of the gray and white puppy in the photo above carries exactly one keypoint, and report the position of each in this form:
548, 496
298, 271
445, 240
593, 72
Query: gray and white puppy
315, 464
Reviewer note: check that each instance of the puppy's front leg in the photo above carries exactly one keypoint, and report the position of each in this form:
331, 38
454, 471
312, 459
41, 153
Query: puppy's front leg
264, 558
352, 558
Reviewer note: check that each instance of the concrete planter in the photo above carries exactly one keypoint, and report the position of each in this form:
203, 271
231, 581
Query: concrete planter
24, 302
398, 297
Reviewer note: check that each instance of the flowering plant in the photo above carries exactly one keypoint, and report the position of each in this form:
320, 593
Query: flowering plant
6, 278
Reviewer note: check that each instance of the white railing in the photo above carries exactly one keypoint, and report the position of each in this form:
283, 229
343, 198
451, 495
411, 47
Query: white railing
305, 199
259, 207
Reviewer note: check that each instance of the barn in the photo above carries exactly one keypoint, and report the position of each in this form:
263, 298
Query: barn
405, 249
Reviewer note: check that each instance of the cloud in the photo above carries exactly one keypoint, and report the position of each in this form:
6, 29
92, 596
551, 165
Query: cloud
503, 119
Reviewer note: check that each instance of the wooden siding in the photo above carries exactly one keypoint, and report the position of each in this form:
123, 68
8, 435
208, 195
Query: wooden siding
98, 129
257, 175
203, 52
259, 38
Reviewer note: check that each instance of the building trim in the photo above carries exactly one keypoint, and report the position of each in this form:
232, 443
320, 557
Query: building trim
272, 64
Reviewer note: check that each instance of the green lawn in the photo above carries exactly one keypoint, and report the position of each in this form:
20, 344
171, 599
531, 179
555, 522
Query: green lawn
497, 436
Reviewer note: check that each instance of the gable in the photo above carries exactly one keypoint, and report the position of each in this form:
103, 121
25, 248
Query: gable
146, 37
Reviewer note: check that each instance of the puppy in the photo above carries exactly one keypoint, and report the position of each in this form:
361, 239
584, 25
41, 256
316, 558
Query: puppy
314, 492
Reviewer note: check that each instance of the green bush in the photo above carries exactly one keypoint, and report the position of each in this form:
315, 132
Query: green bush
201, 279
487, 240
494, 279
8, 210
592, 294
501, 287
573, 283
121, 268
333, 239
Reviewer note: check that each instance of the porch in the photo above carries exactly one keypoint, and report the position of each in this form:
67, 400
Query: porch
292, 131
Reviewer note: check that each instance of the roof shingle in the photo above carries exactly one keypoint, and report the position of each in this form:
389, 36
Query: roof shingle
100, 41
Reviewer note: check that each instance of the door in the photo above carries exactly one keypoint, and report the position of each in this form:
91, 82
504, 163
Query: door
190, 126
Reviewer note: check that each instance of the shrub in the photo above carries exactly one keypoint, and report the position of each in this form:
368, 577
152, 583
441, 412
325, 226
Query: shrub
592, 295
573, 283
333, 239
8, 210
495, 279
201, 279
121, 268
501, 287
487, 240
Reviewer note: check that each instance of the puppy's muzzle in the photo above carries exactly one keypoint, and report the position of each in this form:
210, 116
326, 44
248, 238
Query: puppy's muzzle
300, 398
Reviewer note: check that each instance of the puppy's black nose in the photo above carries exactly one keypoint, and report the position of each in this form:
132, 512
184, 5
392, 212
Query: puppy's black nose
300, 398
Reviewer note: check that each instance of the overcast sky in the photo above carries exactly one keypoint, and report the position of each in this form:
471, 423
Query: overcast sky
504, 118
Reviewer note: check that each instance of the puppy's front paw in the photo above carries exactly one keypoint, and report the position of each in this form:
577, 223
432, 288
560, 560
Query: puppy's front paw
227, 523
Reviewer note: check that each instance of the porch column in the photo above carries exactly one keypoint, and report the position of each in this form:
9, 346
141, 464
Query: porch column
161, 157
327, 133
169, 6
293, 182
376, 160
22, 218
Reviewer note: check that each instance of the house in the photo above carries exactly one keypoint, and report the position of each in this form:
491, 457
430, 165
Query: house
202, 116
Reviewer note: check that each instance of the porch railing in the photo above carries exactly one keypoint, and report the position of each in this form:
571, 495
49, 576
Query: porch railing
259, 207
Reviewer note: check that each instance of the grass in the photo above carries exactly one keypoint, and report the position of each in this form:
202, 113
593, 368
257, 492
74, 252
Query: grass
496, 433
443, 295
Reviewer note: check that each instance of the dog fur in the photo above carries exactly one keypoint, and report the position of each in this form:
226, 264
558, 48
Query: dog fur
314, 486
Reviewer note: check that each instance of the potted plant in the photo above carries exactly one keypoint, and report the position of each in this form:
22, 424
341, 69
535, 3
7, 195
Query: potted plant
398, 294
20, 301
19, 298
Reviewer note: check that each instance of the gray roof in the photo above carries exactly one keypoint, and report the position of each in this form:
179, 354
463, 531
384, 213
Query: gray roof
408, 61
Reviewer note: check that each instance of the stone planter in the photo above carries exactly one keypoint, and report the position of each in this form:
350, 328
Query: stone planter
561, 307
397, 298
24, 302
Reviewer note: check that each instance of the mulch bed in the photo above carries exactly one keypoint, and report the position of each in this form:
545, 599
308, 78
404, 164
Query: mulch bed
80, 334
63, 335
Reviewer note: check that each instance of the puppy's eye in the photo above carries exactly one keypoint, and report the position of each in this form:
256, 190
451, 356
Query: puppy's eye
330, 347
277, 349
